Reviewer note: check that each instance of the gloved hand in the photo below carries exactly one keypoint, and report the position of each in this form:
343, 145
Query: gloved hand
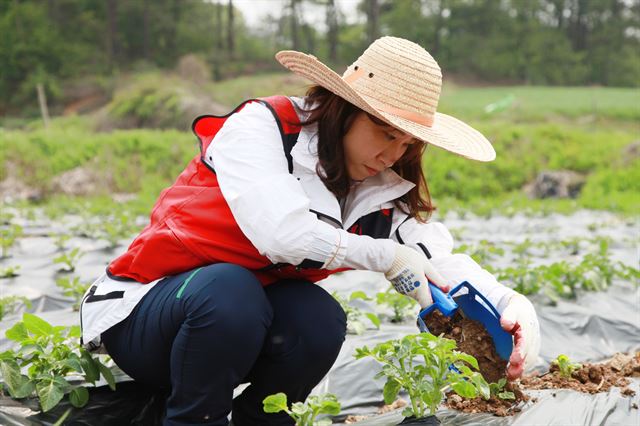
520, 320
409, 273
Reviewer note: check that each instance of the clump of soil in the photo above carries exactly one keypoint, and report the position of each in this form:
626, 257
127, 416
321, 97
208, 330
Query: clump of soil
495, 406
471, 338
591, 378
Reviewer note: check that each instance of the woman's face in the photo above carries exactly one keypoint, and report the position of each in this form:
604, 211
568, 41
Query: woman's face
370, 148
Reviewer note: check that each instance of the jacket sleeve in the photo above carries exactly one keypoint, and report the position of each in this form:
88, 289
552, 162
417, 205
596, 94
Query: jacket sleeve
269, 204
435, 241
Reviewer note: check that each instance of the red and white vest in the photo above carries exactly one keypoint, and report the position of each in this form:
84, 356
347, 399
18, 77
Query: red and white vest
191, 223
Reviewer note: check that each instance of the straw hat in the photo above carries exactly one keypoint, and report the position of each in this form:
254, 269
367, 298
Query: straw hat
399, 82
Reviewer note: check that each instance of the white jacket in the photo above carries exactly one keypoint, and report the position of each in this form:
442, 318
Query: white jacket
292, 217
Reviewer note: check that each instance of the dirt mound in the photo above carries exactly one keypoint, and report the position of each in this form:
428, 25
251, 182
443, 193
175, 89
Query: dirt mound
591, 378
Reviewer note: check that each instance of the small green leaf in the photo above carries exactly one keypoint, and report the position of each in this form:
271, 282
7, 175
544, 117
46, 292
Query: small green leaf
91, 370
299, 408
330, 407
275, 403
79, 397
108, 375
36, 325
464, 389
373, 318
506, 395
390, 390
50, 393
358, 295
17, 333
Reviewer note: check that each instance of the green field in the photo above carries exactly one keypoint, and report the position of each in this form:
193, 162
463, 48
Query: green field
584, 129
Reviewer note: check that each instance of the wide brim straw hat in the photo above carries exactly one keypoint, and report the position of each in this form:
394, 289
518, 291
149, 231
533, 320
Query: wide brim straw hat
399, 82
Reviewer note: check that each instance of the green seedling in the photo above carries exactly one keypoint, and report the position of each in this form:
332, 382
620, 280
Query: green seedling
419, 364
9, 304
48, 354
304, 414
116, 228
9, 271
355, 316
401, 305
497, 390
565, 366
60, 239
483, 252
8, 236
68, 260
74, 289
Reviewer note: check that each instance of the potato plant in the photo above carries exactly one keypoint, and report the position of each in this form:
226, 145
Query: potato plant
49, 354
9, 304
9, 234
565, 366
304, 414
9, 271
68, 260
403, 307
420, 364
74, 289
497, 390
355, 316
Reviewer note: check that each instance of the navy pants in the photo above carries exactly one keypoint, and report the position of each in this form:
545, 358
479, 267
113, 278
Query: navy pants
202, 333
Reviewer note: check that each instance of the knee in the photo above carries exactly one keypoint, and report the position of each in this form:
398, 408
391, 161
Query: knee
231, 295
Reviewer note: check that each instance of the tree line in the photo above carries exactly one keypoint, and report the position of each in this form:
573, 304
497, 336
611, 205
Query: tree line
548, 42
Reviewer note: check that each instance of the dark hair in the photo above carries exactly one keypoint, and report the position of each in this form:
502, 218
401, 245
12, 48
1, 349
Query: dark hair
335, 116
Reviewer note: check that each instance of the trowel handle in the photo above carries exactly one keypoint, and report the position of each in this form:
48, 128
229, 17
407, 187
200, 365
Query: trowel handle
442, 300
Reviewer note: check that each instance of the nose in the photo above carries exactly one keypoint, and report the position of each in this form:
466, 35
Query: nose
391, 154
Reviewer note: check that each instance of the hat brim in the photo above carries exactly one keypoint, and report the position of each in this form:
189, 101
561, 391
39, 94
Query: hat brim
446, 132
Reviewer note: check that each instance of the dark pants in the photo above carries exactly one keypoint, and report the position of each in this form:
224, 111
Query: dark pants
202, 333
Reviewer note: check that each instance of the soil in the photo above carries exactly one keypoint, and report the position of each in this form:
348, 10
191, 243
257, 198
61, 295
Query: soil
495, 406
591, 378
471, 338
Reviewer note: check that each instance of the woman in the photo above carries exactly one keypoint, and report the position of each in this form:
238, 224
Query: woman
218, 289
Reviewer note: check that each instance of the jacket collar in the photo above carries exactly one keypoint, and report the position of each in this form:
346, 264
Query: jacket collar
366, 197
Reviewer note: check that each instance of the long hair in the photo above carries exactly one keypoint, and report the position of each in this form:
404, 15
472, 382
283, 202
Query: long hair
335, 116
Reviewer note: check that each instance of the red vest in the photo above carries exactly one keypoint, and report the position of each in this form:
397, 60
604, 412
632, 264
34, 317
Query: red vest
191, 224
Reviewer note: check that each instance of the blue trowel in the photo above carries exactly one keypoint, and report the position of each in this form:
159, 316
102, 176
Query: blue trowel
472, 305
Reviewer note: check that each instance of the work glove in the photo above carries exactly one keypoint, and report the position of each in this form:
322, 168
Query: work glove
520, 320
410, 274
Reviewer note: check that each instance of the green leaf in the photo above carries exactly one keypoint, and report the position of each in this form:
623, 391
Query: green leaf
390, 390
506, 395
373, 318
36, 325
50, 393
108, 375
464, 389
18, 384
330, 407
17, 333
91, 370
275, 403
299, 409
79, 397
358, 295
323, 422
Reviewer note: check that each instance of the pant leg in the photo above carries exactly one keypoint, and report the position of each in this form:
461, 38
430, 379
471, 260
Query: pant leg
198, 334
303, 342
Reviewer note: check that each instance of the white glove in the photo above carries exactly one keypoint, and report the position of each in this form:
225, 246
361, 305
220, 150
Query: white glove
409, 273
520, 320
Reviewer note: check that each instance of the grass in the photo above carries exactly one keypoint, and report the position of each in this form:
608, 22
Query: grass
584, 129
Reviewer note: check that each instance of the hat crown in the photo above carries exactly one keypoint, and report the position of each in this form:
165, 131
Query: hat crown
397, 73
